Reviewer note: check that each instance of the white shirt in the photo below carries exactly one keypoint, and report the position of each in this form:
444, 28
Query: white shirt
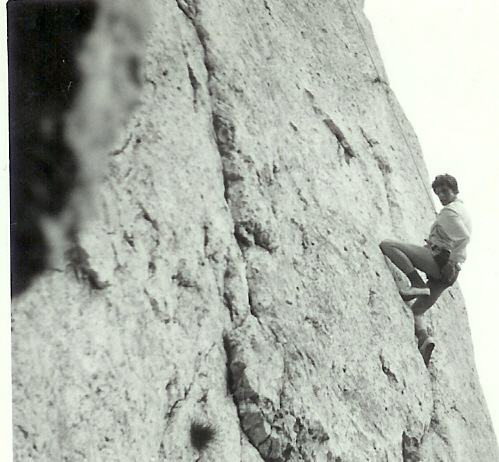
452, 230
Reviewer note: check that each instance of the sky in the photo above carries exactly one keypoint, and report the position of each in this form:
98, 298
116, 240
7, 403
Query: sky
442, 62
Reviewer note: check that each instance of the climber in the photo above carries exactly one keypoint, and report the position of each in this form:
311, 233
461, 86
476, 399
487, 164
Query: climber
440, 258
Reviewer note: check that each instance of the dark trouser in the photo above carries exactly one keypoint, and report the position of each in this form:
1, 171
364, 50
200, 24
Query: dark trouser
408, 258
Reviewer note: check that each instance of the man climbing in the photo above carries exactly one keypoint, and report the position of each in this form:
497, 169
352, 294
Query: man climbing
440, 258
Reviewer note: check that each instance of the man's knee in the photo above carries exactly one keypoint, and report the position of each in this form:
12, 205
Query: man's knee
386, 245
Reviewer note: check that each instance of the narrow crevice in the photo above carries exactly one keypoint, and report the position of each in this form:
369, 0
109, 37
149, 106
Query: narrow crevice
381, 81
228, 179
79, 262
161, 452
169, 414
190, 10
153, 83
155, 308
232, 391
370, 141
436, 427
24, 432
208, 353
146, 216
129, 239
276, 444
253, 312
311, 97
224, 132
233, 376
194, 84
455, 409
223, 129
274, 334
267, 7
122, 149
187, 9
394, 209
410, 448
340, 137
383, 167
333, 128
249, 233
229, 378
371, 298
229, 305
386, 370
183, 281
245, 234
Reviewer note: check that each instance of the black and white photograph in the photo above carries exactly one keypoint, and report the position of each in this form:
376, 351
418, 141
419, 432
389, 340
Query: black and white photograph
249, 231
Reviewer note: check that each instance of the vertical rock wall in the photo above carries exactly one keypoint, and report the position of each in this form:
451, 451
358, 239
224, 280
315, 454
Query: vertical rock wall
231, 283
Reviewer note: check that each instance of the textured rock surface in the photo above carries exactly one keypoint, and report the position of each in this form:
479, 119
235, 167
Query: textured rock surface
233, 278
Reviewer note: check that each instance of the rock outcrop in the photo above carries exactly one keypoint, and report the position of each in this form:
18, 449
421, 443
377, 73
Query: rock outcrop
229, 301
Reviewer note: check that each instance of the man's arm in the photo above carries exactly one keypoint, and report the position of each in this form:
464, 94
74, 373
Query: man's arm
457, 231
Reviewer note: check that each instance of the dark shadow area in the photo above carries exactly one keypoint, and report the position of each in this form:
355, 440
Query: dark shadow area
44, 38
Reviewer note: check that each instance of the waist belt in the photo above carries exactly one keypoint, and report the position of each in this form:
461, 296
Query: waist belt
436, 248
442, 253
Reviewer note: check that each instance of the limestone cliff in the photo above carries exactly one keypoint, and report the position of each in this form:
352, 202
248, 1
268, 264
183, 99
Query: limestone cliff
229, 301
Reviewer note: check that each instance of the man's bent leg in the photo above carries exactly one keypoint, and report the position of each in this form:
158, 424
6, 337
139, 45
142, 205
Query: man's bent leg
420, 306
425, 343
420, 329
424, 303
408, 257
399, 258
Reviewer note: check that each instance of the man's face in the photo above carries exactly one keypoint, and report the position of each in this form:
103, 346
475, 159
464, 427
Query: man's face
445, 194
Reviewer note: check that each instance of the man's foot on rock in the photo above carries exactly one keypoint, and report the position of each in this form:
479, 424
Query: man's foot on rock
408, 298
426, 349
413, 292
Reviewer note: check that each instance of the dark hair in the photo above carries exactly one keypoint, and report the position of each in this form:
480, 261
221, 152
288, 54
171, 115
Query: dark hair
445, 180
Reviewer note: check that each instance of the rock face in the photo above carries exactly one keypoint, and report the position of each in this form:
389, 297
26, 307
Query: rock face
229, 301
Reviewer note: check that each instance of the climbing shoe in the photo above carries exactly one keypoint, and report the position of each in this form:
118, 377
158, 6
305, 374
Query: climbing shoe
426, 349
408, 298
412, 292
